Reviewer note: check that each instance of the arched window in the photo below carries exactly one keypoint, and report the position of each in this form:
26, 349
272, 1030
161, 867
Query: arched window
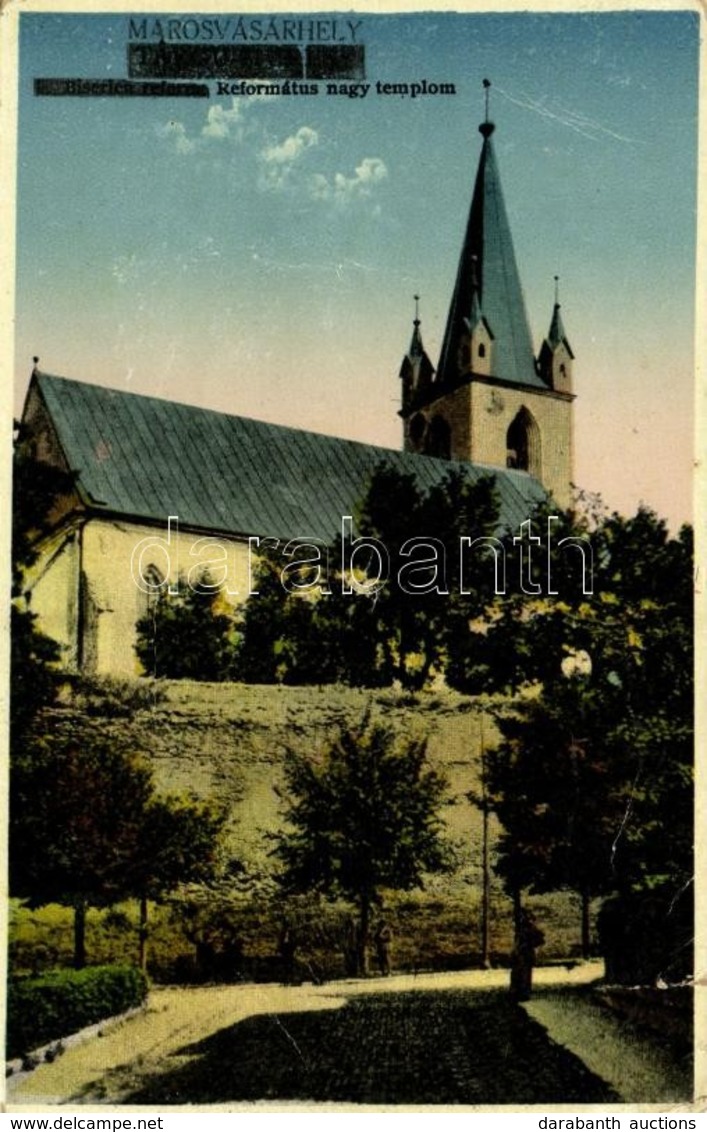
154, 583
439, 439
523, 443
482, 349
418, 424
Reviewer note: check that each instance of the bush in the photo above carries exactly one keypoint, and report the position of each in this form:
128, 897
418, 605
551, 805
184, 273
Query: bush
113, 698
62, 1002
646, 937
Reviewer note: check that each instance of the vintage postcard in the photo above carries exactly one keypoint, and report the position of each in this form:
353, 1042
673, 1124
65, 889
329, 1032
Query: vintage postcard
351, 355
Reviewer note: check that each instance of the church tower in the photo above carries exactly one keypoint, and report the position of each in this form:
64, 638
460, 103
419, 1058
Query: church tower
490, 401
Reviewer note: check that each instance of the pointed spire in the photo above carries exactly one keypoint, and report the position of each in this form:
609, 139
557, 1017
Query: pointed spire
416, 348
556, 333
487, 268
416, 370
556, 357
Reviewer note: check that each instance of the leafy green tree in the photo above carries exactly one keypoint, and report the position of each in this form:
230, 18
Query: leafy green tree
362, 816
40, 492
523, 634
178, 843
86, 829
415, 615
75, 817
398, 630
37, 488
551, 785
265, 653
593, 779
184, 636
33, 664
571, 574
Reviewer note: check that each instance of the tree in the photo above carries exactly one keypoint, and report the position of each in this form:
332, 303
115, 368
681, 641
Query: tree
178, 843
551, 785
593, 779
33, 663
522, 635
75, 815
86, 829
33, 656
184, 636
362, 816
416, 613
257, 657
357, 631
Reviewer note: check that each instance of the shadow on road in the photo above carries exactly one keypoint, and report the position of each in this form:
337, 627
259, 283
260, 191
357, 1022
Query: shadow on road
407, 1048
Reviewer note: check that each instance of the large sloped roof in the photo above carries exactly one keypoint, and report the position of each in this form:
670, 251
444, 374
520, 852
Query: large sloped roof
487, 254
148, 458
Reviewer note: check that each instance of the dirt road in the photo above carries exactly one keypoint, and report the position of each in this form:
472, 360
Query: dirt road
168, 1039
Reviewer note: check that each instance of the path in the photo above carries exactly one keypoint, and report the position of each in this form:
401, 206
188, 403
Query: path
180, 1023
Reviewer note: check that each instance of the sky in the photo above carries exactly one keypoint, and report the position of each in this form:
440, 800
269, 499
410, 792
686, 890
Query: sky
260, 256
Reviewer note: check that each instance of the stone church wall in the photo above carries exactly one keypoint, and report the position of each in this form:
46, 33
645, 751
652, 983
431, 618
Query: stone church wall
98, 586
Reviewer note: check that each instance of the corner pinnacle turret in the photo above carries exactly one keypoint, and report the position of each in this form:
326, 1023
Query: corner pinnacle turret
556, 356
416, 370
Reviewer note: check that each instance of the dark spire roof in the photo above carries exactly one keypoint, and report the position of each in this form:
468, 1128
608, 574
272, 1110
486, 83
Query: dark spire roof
556, 333
416, 348
416, 370
488, 238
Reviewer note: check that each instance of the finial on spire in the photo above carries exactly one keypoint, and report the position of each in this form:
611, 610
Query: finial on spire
417, 369
486, 127
557, 290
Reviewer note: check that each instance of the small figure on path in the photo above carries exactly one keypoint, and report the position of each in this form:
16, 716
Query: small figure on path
350, 947
382, 940
231, 957
528, 937
287, 948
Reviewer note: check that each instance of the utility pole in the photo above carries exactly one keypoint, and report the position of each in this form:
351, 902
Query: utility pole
485, 953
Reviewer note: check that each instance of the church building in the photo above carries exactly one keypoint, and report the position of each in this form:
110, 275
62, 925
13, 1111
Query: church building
162, 490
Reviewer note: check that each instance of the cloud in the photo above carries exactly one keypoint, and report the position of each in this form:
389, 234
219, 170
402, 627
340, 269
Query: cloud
176, 131
278, 161
282, 165
292, 148
220, 122
341, 189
